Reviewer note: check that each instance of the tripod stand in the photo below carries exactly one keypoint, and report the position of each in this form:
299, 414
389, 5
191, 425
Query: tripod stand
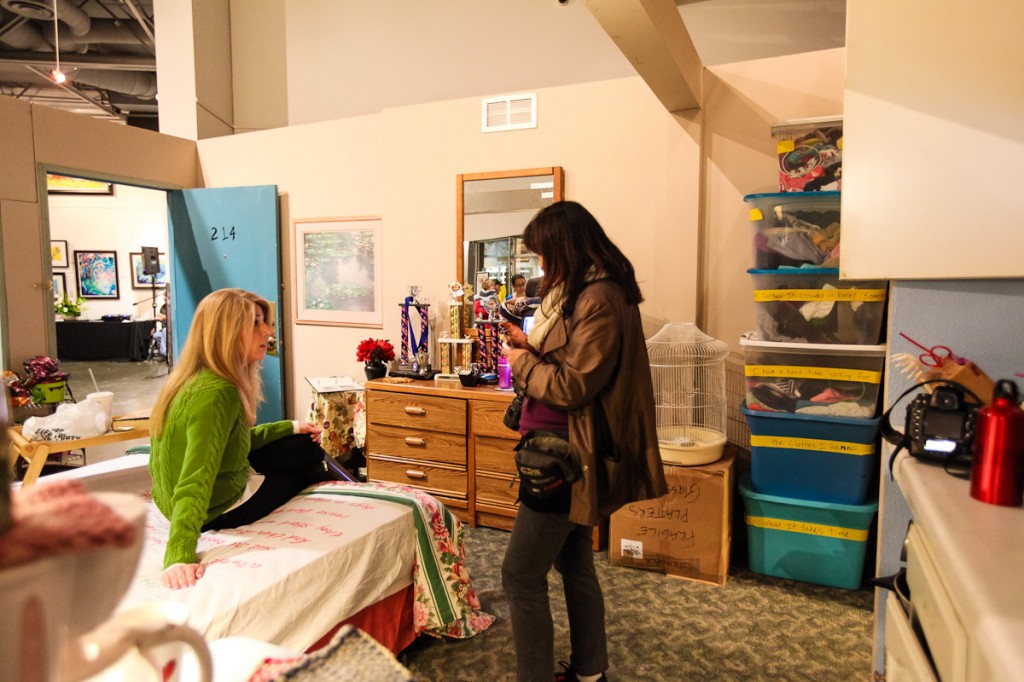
159, 334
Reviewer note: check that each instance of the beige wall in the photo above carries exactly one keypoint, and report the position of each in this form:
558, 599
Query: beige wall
639, 169
936, 151
741, 103
38, 138
635, 166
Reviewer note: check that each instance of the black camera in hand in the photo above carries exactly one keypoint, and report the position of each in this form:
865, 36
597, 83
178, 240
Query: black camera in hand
940, 426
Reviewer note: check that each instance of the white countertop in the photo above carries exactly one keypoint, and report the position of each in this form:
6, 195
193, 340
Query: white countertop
980, 548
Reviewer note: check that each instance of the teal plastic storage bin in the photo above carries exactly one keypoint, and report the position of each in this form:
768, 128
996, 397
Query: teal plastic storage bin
813, 542
828, 459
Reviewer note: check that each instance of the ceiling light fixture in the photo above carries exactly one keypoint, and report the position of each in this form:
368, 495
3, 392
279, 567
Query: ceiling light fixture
56, 75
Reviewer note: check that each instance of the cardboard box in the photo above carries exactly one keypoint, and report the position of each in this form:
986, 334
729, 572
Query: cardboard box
687, 532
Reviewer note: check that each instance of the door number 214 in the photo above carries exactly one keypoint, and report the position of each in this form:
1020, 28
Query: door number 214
222, 233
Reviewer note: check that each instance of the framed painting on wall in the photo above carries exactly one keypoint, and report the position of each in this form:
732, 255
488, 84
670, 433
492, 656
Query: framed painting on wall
60, 286
96, 272
58, 253
338, 271
140, 280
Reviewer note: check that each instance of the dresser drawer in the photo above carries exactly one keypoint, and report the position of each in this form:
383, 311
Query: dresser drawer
447, 415
435, 478
493, 489
487, 419
905, 658
495, 454
947, 639
434, 446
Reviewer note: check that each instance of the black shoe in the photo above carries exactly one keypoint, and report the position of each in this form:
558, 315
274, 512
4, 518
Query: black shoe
568, 674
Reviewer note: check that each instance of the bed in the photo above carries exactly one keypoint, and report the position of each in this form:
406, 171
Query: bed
385, 558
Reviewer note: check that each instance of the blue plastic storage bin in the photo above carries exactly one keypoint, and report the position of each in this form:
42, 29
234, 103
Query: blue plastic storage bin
813, 542
828, 459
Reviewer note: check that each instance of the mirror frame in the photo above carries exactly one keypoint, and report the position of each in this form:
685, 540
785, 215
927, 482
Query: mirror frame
556, 173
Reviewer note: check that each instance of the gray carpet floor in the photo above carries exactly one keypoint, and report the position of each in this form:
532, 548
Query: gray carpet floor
669, 629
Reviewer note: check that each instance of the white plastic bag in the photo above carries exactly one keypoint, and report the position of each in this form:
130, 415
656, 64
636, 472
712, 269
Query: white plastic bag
70, 421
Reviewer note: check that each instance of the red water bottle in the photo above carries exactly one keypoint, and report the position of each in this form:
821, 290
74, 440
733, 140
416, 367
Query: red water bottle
997, 473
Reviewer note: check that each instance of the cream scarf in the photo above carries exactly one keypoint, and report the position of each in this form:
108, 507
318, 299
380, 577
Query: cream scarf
549, 312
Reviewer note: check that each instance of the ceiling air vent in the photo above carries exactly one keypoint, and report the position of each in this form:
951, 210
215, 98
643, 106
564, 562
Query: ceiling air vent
511, 112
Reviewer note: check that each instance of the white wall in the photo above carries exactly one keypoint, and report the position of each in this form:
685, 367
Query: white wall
123, 223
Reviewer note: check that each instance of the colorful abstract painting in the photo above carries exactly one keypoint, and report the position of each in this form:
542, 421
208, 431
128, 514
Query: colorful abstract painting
97, 274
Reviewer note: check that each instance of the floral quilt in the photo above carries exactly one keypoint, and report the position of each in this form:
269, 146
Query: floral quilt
446, 603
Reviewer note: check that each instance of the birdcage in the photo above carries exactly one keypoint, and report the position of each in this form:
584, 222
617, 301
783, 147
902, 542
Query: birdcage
688, 369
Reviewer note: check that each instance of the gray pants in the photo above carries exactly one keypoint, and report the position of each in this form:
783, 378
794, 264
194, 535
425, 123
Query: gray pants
538, 542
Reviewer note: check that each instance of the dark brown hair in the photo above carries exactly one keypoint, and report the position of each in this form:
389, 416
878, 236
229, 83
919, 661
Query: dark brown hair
571, 240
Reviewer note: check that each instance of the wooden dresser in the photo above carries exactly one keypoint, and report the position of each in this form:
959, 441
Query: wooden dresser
448, 440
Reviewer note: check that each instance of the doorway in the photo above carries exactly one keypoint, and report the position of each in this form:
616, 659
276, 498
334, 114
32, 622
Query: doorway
98, 231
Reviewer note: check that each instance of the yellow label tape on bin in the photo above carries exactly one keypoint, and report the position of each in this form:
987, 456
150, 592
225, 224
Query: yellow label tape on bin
755, 215
840, 447
821, 530
865, 376
785, 146
865, 295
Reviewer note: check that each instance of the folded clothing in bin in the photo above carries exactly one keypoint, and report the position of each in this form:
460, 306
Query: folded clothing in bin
792, 229
829, 459
812, 305
832, 380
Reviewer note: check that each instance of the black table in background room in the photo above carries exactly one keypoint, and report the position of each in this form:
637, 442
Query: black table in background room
99, 340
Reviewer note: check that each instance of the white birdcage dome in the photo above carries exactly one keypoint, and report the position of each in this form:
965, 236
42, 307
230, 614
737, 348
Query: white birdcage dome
688, 370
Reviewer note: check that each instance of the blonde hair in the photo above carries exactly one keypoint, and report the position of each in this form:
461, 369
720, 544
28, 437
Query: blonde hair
218, 341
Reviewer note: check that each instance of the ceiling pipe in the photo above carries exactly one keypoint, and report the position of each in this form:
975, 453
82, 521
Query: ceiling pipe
26, 36
102, 32
135, 83
84, 61
73, 16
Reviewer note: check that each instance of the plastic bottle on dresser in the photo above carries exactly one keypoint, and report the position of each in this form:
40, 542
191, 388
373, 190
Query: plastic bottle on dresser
997, 473
504, 374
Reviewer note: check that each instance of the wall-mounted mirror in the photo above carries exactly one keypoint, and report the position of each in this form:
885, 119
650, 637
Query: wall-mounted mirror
493, 210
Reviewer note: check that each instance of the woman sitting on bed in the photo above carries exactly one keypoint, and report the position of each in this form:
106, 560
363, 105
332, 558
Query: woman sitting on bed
204, 437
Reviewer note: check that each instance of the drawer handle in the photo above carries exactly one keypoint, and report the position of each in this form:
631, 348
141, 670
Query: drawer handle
415, 441
417, 411
418, 475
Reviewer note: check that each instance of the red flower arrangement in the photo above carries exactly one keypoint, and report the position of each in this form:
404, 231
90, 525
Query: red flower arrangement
375, 351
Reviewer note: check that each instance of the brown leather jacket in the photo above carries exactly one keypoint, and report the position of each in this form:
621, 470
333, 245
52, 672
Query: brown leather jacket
601, 351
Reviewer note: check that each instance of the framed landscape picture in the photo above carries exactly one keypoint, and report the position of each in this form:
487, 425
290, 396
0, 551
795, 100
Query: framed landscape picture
140, 280
338, 271
58, 253
96, 272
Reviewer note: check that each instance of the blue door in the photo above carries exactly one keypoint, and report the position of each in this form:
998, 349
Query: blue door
227, 237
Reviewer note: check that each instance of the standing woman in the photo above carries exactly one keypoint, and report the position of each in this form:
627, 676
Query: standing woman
586, 344
204, 437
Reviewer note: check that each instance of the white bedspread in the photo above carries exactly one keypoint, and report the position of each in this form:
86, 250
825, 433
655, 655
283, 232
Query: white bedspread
289, 578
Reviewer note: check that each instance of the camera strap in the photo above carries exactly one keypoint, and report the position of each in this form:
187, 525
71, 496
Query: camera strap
901, 440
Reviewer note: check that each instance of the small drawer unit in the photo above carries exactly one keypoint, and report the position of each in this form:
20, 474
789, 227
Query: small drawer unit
419, 440
448, 440
493, 447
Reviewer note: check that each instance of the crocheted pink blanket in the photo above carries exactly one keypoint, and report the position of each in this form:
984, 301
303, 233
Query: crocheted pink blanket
59, 518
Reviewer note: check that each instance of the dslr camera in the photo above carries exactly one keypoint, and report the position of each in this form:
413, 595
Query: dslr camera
940, 426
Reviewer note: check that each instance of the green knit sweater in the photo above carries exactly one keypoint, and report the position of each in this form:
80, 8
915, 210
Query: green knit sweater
200, 461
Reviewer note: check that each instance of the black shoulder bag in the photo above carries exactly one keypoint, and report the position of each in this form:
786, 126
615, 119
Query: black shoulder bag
546, 470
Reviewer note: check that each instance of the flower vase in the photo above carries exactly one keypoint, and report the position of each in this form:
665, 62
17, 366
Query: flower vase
375, 370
